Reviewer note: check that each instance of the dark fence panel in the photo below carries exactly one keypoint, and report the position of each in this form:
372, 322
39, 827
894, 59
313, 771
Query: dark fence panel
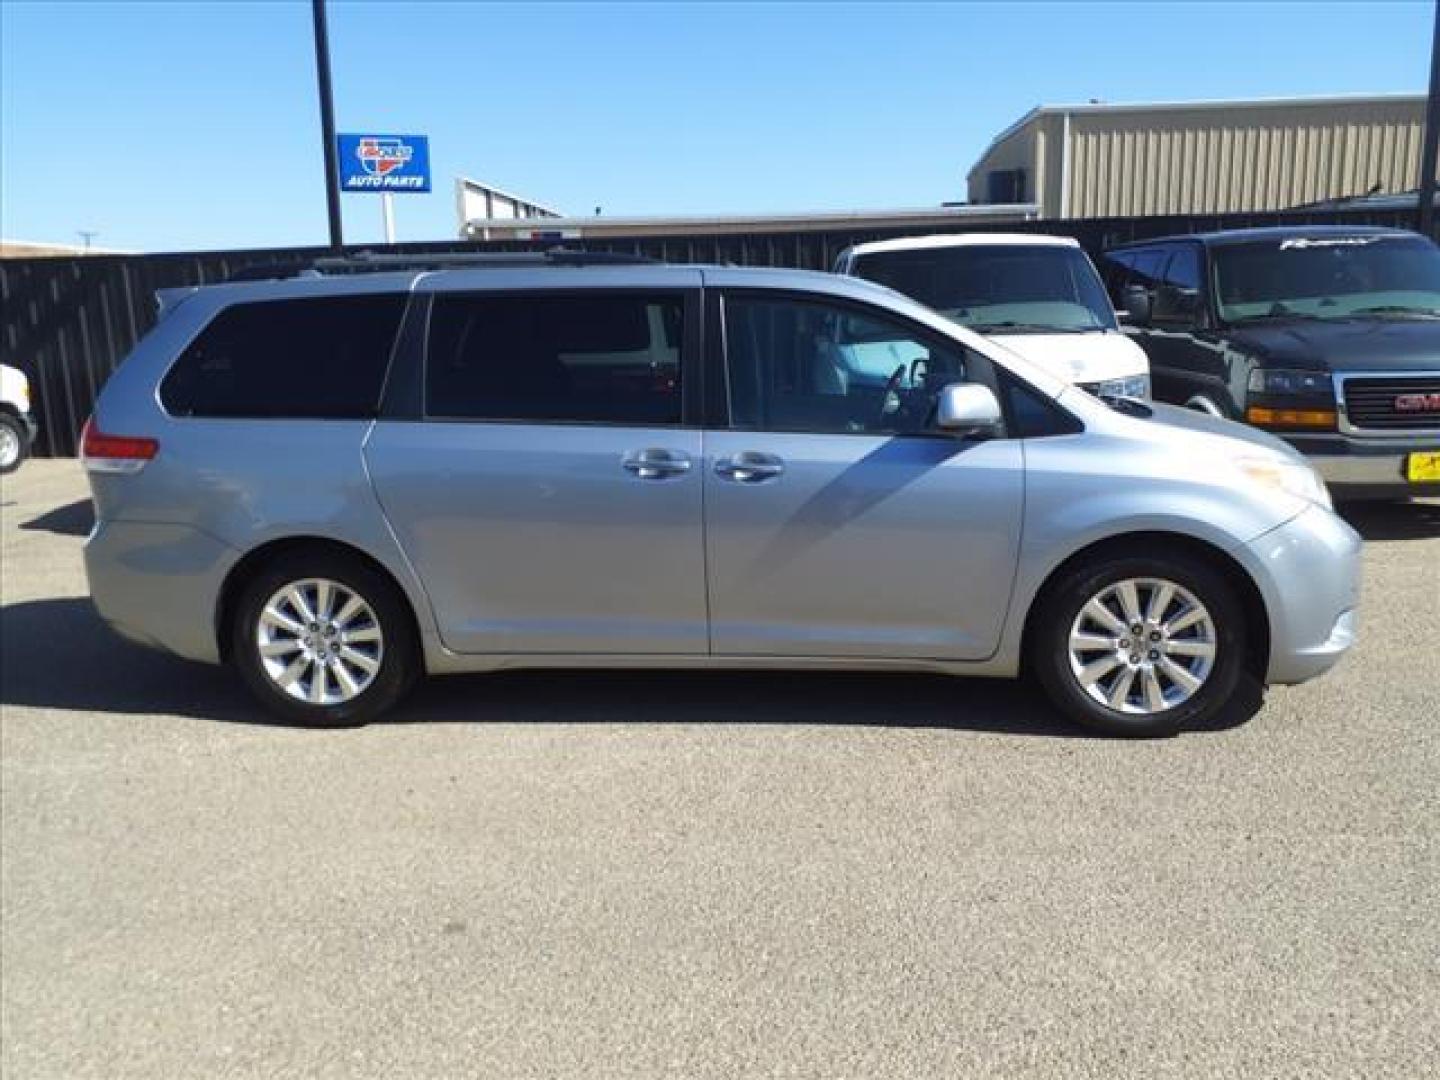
68, 322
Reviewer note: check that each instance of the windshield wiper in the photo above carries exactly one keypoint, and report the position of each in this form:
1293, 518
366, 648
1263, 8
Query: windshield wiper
1396, 309
1271, 316
1030, 328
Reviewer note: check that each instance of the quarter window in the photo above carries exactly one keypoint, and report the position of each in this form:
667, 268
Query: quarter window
605, 359
799, 365
315, 358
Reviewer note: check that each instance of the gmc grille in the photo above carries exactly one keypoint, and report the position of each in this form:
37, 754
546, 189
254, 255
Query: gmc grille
1370, 402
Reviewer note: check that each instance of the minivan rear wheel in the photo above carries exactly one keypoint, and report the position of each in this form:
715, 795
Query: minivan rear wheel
323, 639
1139, 645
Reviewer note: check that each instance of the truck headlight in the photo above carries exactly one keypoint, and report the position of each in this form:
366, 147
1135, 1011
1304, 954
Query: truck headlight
1297, 399
1289, 477
1284, 382
1131, 386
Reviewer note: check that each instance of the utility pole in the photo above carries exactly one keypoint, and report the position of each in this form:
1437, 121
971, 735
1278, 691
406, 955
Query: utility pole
86, 235
1425, 219
327, 123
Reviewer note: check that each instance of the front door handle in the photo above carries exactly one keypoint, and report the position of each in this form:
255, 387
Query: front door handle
749, 467
655, 463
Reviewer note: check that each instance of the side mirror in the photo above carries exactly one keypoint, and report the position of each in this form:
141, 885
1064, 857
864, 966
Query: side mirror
1137, 302
968, 409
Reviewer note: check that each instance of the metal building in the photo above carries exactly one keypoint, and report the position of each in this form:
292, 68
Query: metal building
476, 200
1103, 160
943, 218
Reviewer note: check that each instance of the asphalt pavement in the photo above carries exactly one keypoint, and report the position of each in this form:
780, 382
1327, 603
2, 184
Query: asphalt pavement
678, 875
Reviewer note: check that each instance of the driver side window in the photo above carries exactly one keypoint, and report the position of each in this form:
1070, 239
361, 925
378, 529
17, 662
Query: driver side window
805, 365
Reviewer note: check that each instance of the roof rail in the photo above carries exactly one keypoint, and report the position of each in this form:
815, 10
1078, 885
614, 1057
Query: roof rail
371, 262
363, 262
270, 271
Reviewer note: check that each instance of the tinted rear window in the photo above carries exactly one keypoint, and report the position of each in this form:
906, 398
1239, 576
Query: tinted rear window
280, 359
607, 359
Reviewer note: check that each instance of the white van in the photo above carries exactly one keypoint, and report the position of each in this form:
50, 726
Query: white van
1037, 295
17, 426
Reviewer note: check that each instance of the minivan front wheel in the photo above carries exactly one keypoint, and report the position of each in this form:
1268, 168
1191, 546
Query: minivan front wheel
324, 640
1139, 645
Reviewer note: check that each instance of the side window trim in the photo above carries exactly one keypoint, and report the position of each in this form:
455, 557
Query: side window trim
403, 397
716, 412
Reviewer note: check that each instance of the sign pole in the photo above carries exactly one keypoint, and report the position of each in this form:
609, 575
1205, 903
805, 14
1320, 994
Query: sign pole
1425, 218
387, 209
327, 123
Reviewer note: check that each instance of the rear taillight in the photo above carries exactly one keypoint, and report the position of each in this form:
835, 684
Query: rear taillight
115, 453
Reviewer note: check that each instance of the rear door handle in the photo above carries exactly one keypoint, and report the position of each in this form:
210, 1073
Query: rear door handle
749, 467
655, 463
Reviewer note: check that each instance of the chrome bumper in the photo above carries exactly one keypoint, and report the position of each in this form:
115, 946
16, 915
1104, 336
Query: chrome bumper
1354, 469
1353, 466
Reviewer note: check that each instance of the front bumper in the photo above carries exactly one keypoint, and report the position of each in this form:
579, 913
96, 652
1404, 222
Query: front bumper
1359, 468
1308, 571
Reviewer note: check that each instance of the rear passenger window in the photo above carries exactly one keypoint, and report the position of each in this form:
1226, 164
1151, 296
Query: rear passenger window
322, 358
603, 359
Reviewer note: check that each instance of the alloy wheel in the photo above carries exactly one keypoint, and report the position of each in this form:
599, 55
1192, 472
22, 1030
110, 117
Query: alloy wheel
9, 446
319, 641
1142, 646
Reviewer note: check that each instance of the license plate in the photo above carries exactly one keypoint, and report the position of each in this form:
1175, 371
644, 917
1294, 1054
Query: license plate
1423, 468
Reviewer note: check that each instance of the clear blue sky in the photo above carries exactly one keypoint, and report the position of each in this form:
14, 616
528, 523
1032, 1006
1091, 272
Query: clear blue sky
190, 125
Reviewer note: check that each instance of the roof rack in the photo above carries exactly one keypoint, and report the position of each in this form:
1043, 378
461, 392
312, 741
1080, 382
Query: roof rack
371, 262
363, 262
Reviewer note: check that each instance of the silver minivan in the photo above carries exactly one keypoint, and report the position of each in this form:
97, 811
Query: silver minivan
341, 480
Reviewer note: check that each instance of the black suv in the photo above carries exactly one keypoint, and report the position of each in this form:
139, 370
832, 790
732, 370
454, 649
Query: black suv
1327, 336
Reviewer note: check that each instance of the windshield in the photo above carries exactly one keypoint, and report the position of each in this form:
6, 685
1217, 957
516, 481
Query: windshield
1327, 277
996, 288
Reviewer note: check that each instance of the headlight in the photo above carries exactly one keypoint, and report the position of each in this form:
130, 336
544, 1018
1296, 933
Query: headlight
24, 394
1285, 383
1290, 477
1132, 386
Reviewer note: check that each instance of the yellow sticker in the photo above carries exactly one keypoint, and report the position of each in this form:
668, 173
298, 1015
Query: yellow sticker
1423, 468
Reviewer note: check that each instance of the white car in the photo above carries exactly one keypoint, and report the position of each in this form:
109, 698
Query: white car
1038, 296
17, 428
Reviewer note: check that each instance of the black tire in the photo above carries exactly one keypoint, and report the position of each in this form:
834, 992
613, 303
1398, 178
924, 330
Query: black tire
14, 428
1049, 642
399, 660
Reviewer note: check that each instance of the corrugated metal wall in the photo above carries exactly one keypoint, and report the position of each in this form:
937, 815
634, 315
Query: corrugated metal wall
1214, 161
68, 322
1210, 159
